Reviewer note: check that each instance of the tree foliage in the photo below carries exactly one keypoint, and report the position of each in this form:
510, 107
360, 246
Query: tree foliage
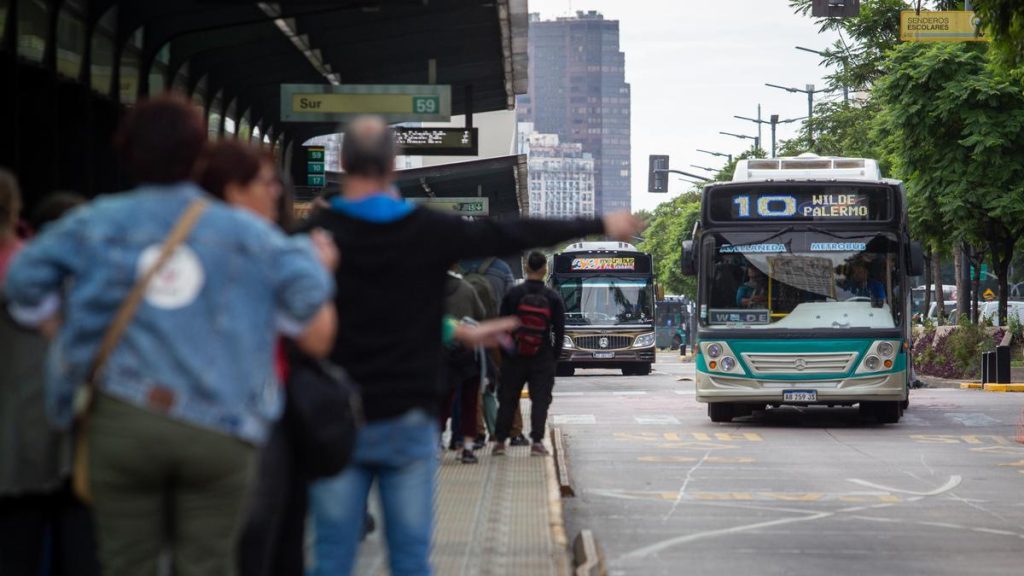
1004, 20
954, 127
672, 223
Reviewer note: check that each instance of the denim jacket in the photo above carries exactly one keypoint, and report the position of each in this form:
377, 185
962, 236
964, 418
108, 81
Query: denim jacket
200, 346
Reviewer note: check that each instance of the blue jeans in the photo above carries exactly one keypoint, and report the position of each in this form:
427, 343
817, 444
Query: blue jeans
401, 453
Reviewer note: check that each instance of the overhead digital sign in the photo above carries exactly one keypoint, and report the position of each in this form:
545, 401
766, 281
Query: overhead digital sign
602, 264
340, 103
437, 141
830, 203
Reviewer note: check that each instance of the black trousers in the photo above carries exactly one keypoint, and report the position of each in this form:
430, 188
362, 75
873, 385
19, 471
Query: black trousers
539, 372
271, 542
51, 529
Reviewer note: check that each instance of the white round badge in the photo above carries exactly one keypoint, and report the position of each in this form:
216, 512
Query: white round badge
177, 283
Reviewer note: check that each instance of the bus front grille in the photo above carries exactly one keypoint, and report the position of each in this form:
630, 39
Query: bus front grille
612, 342
822, 363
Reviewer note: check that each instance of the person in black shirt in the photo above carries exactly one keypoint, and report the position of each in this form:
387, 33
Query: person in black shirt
524, 365
395, 258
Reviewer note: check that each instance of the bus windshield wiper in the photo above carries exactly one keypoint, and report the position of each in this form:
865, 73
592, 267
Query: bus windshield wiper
774, 235
839, 236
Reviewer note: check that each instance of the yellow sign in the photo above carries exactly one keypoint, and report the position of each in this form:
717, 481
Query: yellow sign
945, 26
337, 103
988, 294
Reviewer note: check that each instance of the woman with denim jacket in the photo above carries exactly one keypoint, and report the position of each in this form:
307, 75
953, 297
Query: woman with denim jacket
272, 537
189, 393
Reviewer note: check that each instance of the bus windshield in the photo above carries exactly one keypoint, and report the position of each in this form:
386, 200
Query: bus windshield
606, 300
800, 280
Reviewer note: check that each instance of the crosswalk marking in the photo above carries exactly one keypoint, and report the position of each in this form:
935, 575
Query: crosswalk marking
657, 419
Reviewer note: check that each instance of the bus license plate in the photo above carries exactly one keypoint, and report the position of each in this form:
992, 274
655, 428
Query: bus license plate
604, 355
800, 396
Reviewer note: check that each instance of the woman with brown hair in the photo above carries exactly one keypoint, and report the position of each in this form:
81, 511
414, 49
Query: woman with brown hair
184, 390
272, 537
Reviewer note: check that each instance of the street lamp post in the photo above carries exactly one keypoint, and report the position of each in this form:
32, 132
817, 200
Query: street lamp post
719, 154
757, 140
810, 91
774, 123
846, 89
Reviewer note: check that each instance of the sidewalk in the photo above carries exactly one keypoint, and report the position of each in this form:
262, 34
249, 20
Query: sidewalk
500, 517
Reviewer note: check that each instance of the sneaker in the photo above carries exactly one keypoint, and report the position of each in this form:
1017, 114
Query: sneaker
520, 441
480, 442
538, 449
498, 449
468, 457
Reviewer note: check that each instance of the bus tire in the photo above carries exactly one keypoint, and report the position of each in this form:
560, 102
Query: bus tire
720, 411
882, 412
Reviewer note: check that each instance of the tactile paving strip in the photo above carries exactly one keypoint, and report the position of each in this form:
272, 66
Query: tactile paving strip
492, 518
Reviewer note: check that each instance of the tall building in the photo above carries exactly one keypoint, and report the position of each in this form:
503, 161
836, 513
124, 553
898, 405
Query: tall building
578, 91
562, 179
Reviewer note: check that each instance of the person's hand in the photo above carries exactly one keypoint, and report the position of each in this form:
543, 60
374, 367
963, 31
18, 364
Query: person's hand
326, 249
622, 226
489, 333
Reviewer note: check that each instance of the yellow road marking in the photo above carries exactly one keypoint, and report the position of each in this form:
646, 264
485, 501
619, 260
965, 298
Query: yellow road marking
690, 459
1004, 387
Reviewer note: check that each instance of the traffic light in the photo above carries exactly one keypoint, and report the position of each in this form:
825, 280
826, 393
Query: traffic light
835, 8
657, 173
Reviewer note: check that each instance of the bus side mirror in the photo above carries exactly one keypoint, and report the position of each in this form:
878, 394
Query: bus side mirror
916, 263
687, 260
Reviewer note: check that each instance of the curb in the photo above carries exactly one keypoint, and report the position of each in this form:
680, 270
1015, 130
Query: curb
561, 464
1004, 387
556, 518
588, 556
992, 387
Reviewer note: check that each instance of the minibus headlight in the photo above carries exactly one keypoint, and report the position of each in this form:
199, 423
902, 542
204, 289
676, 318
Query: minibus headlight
644, 341
714, 350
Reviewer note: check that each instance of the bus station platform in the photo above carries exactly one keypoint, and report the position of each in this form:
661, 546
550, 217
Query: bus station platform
500, 517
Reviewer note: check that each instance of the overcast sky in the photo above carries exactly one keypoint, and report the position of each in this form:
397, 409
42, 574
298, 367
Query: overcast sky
693, 65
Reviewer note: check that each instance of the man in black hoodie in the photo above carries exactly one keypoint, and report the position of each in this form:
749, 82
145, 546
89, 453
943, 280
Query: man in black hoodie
390, 300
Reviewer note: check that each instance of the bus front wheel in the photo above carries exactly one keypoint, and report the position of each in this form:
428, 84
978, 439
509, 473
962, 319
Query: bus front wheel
721, 411
882, 412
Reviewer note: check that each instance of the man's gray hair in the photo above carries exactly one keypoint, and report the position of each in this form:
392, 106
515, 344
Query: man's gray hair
368, 149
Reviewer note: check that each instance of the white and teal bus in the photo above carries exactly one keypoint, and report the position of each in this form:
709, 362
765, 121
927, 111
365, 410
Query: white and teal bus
803, 296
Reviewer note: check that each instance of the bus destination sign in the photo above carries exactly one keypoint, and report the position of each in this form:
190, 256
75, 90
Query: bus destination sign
602, 264
776, 203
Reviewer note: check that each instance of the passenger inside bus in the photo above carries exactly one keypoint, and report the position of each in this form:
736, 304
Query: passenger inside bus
754, 293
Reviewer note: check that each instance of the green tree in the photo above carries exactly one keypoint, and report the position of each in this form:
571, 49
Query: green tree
954, 126
672, 223
1004, 20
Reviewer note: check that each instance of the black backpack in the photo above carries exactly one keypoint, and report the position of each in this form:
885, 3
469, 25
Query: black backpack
534, 313
323, 414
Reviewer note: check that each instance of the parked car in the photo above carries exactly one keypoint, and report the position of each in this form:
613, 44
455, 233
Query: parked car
990, 311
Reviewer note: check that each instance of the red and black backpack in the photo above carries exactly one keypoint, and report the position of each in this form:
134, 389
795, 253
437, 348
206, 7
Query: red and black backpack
534, 313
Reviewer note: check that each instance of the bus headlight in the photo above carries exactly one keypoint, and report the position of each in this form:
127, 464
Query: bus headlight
872, 362
644, 341
567, 342
714, 350
728, 363
885, 349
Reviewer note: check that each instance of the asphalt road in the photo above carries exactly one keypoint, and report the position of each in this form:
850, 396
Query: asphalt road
795, 491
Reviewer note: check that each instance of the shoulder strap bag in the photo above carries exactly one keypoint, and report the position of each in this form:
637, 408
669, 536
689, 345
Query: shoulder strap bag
80, 465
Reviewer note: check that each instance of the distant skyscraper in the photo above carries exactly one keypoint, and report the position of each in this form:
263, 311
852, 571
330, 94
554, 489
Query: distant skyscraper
578, 91
561, 176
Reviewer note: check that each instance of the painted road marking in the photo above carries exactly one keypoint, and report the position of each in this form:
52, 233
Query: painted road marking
685, 436
574, 419
657, 419
1001, 450
953, 482
709, 496
1019, 463
692, 459
976, 439
973, 419
558, 394
629, 393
